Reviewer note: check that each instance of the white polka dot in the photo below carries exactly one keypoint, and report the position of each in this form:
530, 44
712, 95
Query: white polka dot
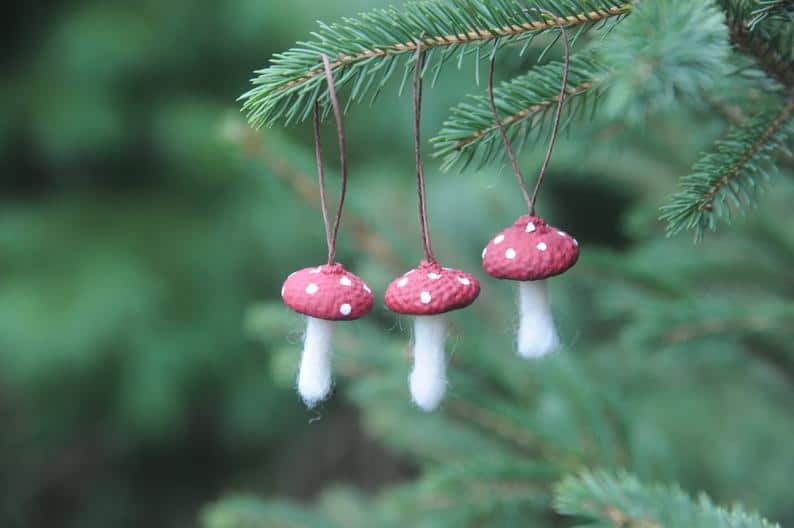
433, 276
316, 270
366, 289
445, 268
575, 242
344, 281
312, 288
402, 282
282, 291
541, 246
484, 251
409, 272
530, 227
345, 309
562, 233
464, 281
498, 239
510, 253
425, 297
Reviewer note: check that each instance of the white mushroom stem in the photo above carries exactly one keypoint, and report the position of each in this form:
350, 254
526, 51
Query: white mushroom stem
428, 380
314, 377
536, 333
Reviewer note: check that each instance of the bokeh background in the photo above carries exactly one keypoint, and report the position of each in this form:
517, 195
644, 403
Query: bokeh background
147, 365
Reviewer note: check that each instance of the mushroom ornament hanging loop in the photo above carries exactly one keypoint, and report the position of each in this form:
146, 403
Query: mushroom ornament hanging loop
428, 291
328, 292
530, 251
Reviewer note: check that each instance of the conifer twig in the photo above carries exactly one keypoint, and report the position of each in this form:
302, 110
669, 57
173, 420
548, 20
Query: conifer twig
523, 114
370, 45
774, 65
623, 501
749, 36
707, 201
731, 172
471, 133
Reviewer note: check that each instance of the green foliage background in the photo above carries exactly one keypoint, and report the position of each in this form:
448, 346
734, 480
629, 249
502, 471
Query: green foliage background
147, 365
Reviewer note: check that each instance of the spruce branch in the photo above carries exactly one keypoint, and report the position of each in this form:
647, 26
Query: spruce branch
471, 134
366, 50
623, 501
670, 52
764, 50
766, 35
729, 175
782, 9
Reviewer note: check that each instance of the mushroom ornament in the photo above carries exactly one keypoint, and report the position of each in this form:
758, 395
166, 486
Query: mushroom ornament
427, 292
531, 251
324, 294
329, 292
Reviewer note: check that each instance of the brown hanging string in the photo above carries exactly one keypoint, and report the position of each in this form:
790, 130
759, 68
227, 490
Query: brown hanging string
530, 200
331, 233
558, 112
318, 154
420, 171
522, 184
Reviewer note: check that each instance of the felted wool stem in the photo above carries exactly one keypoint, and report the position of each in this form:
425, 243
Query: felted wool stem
537, 335
428, 380
314, 377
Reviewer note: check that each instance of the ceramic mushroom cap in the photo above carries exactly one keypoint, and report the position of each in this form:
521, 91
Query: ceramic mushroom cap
327, 292
431, 289
529, 250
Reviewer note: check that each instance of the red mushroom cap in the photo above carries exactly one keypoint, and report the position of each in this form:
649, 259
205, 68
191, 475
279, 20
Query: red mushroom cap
327, 292
529, 250
430, 289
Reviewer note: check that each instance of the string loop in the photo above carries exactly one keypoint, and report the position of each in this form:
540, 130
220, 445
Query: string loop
531, 199
522, 184
331, 232
420, 171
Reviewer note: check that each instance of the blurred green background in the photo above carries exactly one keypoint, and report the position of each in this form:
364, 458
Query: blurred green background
147, 366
